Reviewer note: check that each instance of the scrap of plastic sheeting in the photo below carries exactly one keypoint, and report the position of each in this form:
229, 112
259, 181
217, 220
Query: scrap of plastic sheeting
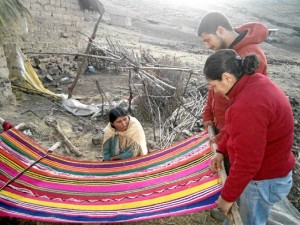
284, 213
79, 109
105, 110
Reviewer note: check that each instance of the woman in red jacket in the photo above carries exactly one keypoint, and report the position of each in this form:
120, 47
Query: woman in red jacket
259, 131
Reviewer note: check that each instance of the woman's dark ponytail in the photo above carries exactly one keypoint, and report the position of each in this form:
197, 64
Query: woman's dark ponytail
227, 60
250, 64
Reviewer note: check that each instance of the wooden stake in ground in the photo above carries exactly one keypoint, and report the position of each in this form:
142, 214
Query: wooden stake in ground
130, 92
234, 217
84, 62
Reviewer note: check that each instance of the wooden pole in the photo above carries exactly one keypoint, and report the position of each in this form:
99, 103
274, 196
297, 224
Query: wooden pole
103, 95
74, 54
84, 62
187, 83
197, 72
50, 150
151, 111
234, 217
130, 93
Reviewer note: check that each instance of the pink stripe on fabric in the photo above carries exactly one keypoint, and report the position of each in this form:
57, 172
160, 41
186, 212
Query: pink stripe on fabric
113, 187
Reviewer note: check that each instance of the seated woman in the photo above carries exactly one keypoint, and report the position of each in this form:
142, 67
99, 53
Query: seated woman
124, 136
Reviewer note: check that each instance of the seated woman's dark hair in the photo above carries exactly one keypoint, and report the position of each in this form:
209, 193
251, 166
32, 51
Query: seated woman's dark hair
227, 60
116, 112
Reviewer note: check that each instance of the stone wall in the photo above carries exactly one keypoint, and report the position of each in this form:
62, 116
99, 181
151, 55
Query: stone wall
52, 27
6, 96
3, 64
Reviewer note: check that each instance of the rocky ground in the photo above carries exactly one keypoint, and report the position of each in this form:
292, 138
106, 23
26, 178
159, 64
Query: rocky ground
165, 30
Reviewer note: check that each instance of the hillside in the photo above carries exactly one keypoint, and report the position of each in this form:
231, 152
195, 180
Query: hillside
165, 28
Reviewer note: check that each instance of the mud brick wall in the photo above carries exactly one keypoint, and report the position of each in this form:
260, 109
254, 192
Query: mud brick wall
5, 88
52, 27
3, 64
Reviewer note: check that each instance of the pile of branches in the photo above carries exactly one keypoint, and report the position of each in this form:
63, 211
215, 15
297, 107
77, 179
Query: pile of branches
161, 91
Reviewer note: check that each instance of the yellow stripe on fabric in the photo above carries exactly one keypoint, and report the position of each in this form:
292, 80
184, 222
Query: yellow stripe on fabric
120, 206
45, 161
111, 194
79, 181
12, 164
58, 165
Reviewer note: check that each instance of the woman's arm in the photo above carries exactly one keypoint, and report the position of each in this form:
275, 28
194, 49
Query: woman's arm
125, 155
107, 150
208, 115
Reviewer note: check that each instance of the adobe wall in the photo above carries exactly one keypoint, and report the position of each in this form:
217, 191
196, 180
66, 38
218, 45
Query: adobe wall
52, 27
5, 88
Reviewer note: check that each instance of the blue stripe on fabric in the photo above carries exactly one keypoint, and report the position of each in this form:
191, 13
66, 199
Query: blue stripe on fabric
55, 217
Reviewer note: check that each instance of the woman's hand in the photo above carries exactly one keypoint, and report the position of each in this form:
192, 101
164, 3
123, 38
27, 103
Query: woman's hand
207, 123
216, 162
224, 206
114, 158
213, 140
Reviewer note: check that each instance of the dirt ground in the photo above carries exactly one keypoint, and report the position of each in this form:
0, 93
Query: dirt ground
164, 30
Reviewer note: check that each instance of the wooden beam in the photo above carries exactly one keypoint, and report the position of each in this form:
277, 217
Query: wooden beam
234, 217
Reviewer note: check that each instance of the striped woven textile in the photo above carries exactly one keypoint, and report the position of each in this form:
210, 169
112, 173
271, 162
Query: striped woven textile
167, 182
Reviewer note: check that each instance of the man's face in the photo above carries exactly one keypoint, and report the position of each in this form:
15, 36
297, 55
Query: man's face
212, 41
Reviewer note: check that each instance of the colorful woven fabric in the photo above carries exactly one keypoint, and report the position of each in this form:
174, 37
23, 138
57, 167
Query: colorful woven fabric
167, 182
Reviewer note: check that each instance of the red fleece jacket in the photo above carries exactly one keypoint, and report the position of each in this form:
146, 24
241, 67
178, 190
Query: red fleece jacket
259, 134
216, 104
